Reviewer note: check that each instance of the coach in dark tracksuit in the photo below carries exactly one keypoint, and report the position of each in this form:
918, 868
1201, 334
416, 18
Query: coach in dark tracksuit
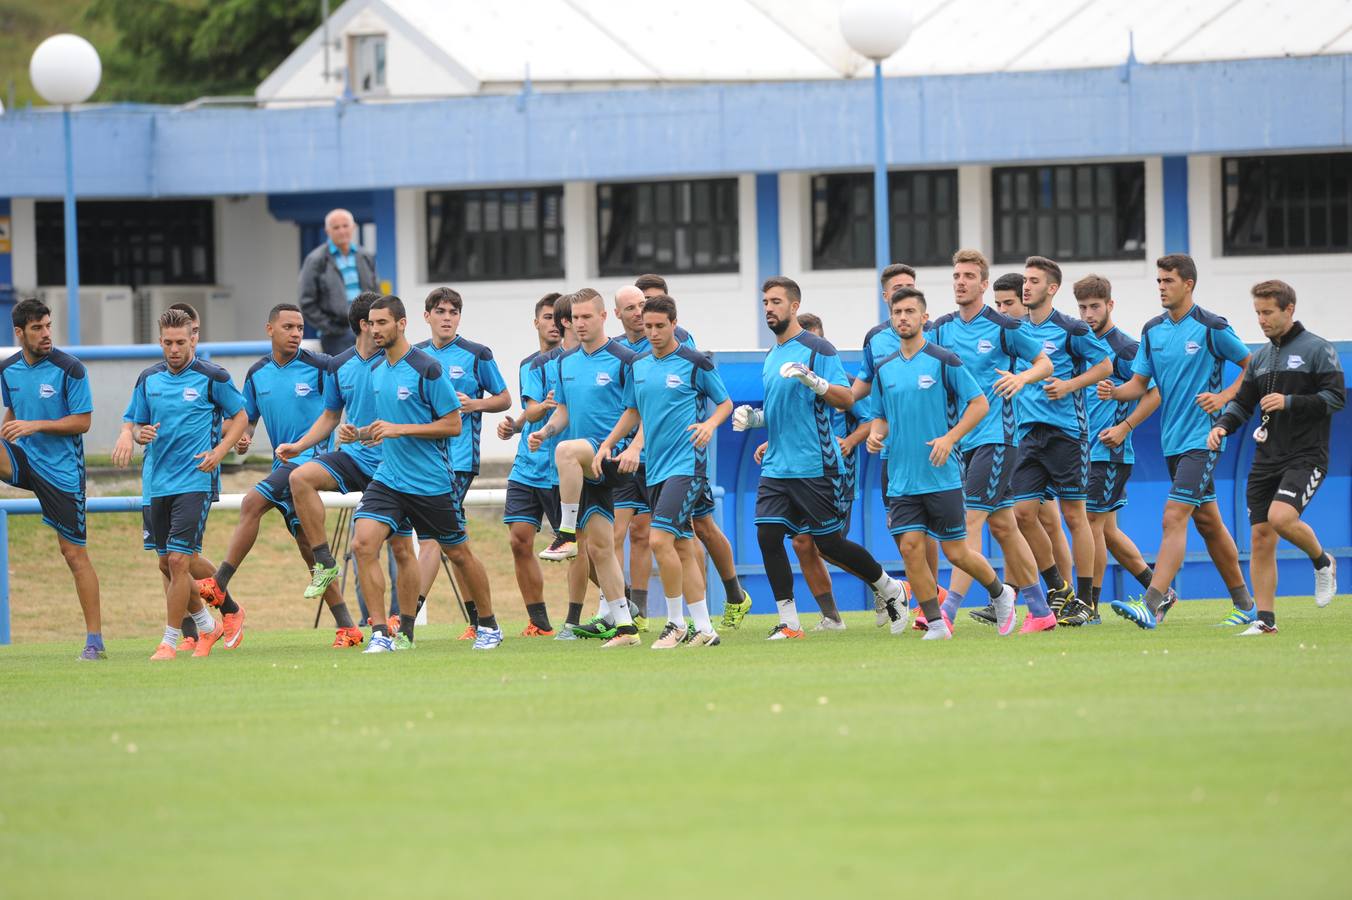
1297, 383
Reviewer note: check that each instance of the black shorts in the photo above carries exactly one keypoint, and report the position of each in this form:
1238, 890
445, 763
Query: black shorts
1192, 474
276, 489
942, 515
1048, 457
178, 522
882, 462
1294, 486
460, 485
530, 504
1107, 486
62, 511
434, 517
988, 471
598, 497
801, 505
347, 474
674, 503
631, 491
147, 529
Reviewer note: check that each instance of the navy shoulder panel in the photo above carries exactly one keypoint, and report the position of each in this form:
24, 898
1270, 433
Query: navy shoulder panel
638, 356
999, 318
1151, 324
564, 354
259, 363
151, 370
1072, 325
941, 321
425, 364
211, 370
695, 358
66, 363
478, 351
895, 354
12, 360
1123, 345
875, 331
820, 346
681, 334
320, 361
619, 351
1209, 319
337, 362
423, 345
944, 355
533, 360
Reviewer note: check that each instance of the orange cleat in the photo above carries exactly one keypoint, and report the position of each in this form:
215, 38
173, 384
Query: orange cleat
234, 628
348, 637
468, 634
206, 641
392, 623
209, 591
187, 645
533, 630
163, 651
783, 632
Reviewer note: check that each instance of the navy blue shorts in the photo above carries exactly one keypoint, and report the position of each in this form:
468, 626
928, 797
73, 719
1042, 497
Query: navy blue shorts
675, 501
345, 471
1048, 457
1192, 473
62, 511
811, 505
178, 522
942, 515
989, 470
460, 485
276, 489
1294, 486
533, 505
631, 491
434, 517
598, 497
1107, 486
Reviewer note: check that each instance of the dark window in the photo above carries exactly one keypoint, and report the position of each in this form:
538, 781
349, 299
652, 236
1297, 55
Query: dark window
667, 226
922, 207
131, 242
1288, 204
1081, 212
495, 235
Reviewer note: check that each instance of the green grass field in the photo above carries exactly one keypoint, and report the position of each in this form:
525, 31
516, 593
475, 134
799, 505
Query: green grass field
1181, 763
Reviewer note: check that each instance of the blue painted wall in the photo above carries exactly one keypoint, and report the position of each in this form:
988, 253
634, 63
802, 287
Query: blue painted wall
767, 238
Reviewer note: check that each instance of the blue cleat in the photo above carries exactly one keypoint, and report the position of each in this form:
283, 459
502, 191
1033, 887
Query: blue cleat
1240, 617
487, 638
1135, 611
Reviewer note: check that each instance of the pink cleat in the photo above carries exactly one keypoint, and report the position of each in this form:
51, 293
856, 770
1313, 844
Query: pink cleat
1033, 623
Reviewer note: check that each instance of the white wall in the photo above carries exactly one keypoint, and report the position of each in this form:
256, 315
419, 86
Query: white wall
258, 259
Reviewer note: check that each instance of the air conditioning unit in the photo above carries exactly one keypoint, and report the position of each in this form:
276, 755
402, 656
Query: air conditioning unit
106, 314
214, 305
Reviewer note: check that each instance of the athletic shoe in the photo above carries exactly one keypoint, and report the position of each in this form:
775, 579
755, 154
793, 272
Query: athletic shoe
321, 576
533, 630
206, 641
880, 617
1170, 598
1240, 617
1006, 611
1032, 623
1325, 584
595, 627
1094, 618
1136, 612
640, 620
563, 547
403, 642
211, 593
939, 632
782, 632
467, 634
1076, 613
1059, 598
392, 623
162, 652
922, 624
187, 645
234, 628
1258, 627
689, 630
985, 615
672, 636
624, 638
348, 637
487, 638
92, 653
704, 639
566, 633
734, 613
380, 643
828, 624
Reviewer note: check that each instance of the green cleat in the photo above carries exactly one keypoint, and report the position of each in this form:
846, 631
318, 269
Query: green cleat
403, 642
595, 627
734, 613
321, 577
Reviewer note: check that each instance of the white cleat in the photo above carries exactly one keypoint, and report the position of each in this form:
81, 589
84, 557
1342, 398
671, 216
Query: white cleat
704, 639
938, 631
379, 643
1326, 583
900, 617
828, 624
559, 550
1006, 617
1258, 627
879, 611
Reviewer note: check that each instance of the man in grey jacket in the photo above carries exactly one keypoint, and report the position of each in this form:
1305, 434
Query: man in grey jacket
331, 277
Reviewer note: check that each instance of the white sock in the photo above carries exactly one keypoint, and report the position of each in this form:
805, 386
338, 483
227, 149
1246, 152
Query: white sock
568, 522
603, 607
700, 613
204, 621
619, 612
788, 614
886, 587
171, 636
676, 606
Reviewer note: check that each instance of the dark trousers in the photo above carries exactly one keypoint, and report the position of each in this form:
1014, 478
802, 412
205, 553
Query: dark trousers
333, 344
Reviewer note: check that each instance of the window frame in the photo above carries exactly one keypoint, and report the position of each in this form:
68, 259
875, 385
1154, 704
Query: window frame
380, 62
901, 217
1052, 179
500, 251
1309, 204
688, 230
117, 239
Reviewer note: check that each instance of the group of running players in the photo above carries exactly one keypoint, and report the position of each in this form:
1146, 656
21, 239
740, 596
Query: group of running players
1017, 416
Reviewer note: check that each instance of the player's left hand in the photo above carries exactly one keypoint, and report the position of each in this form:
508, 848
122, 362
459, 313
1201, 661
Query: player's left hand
603, 453
1210, 403
805, 376
379, 430
1055, 388
242, 445
17, 428
1272, 403
703, 434
759, 455
465, 401
1008, 384
1214, 438
876, 442
1115, 436
210, 459
506, 428
943, 446
628, 460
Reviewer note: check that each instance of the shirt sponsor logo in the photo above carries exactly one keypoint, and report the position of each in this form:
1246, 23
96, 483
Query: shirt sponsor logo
457, 371
674, 380
984, 346
303, 389
602, 379
46, 391
1191, 347
925, 382
1048, 347
190, 394
403, 393
1292, 362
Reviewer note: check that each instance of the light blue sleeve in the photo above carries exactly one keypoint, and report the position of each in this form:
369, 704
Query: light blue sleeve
79, 400
250, 399
490, 377
333, 392
441, 395
227, 398
963, 386
1025, 346
866, 365
711, 383
1090, 347
1228, 345
1141, 364
865, 410
138, 410
831, 368
627, 399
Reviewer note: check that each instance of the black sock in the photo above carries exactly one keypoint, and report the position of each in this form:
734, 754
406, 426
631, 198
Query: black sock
827, 604
380, 628
490, 622
539, 617
574, 616
1053, 578
1145, 576
472, 613
341, 617
628, 594
627, 629
931, 610
1084, 588
1267, 618
406, 624
995, 589
1153, 599
1098, 592
1323, 562
224, 572
422, 599
324, 556
228, 606
732, 590
189, 627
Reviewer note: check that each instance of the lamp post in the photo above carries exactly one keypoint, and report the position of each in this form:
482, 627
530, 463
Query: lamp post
65, 70
876, 29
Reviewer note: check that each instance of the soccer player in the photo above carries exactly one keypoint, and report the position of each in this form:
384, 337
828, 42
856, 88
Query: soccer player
1184, 350
1054, 440
802, 479
532, 484
1111, 454
1296, 382
474, 373
286, 389
667, 389
1003, 359
347, 469
48, 408
590, 399
177, 404
416, 412
925, 476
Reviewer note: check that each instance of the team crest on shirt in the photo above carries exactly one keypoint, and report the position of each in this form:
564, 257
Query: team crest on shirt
190, 394
602, 379
674, 380
1191, 347
984, 346
303, 389
1292, 362
925, 382
403, 393
456, 371
47, 392
1048, 347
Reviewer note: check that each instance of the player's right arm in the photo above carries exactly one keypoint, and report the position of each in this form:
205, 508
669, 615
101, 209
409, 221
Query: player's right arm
318, 433
558, 420
1125, 392
628, 421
